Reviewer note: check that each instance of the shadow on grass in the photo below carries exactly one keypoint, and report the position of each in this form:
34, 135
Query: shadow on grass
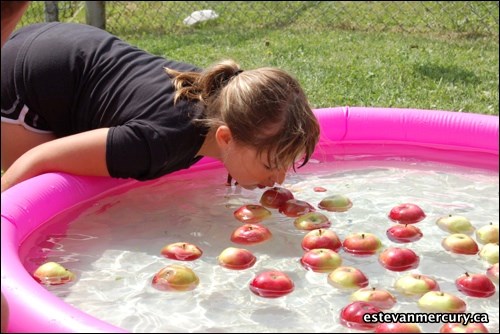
447, 73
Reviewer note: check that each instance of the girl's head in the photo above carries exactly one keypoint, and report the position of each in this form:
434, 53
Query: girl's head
261, 119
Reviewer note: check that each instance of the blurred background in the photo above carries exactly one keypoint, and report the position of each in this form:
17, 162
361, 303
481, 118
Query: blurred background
401, 54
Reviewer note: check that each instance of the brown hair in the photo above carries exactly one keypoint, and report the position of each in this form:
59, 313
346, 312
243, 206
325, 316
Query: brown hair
264, 108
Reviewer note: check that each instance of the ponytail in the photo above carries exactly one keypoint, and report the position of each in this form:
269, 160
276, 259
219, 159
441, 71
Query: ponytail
206, 85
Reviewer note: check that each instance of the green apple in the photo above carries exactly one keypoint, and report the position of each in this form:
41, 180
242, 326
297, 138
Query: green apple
415, 284
455, 224
175, 277
380, 298
487, 234
439, 301
321, 260
347, 278
460, 243
335, 203
52, 273
489, 253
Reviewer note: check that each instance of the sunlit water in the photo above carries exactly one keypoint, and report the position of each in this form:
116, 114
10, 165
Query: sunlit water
114, 247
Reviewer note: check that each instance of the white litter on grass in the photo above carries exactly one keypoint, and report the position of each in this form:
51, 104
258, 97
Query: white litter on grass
200, 16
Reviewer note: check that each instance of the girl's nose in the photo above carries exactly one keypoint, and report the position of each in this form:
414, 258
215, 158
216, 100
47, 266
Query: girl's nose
280, 177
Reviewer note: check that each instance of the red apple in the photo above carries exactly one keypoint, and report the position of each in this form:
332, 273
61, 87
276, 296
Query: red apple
252, 213
455, 224
382, 299
398, 259
275, 197
406, 213
347, 278
183, 251
250, 234
319, 189
321, 238
312, 221
335, 203
492, 272
475, 285
487, 234
236, 258
397, 327
271, 284
415, 284
321, 260
352, 316
460, 244
489, 253
175, 277
53, 273
461, 328
404, 233
442, 302
295, 208
362, 244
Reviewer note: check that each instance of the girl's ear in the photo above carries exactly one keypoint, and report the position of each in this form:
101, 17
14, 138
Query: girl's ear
223, 136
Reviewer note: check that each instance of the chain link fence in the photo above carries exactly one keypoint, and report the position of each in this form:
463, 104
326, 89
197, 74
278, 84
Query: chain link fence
470, 19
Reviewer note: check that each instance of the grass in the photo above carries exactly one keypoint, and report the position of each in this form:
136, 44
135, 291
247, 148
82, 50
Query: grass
432, 59
358, 68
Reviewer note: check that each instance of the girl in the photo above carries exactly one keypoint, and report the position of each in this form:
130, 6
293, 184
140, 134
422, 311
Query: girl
77, 99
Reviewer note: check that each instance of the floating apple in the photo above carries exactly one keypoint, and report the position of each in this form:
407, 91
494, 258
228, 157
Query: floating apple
397, 327
347, 278
492, 272
335, 203
175, 277
416, 284
352, 316
321, 238
236, 258
250, 234
295, 208
321, 260
460, 243
380, 298
406, 213
455, 224
319, 189
475, 285
362, 244
312, 221
471, 327
183, 251
275, 197
439, 301
252, 213
398, 259
487, 234
271, 284
404, 233
53, 273
489, 253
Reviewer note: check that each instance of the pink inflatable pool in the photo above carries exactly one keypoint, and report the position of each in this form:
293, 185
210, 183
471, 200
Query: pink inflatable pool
371, 133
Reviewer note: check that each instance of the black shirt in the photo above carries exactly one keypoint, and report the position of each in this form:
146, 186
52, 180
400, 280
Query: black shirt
78, 78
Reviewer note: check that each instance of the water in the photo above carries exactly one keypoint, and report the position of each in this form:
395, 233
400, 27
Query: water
114, 247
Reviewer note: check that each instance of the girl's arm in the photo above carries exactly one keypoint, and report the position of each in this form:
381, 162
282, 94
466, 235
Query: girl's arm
80, 154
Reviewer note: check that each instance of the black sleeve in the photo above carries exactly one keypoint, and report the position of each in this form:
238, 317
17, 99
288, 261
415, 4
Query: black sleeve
134, 150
